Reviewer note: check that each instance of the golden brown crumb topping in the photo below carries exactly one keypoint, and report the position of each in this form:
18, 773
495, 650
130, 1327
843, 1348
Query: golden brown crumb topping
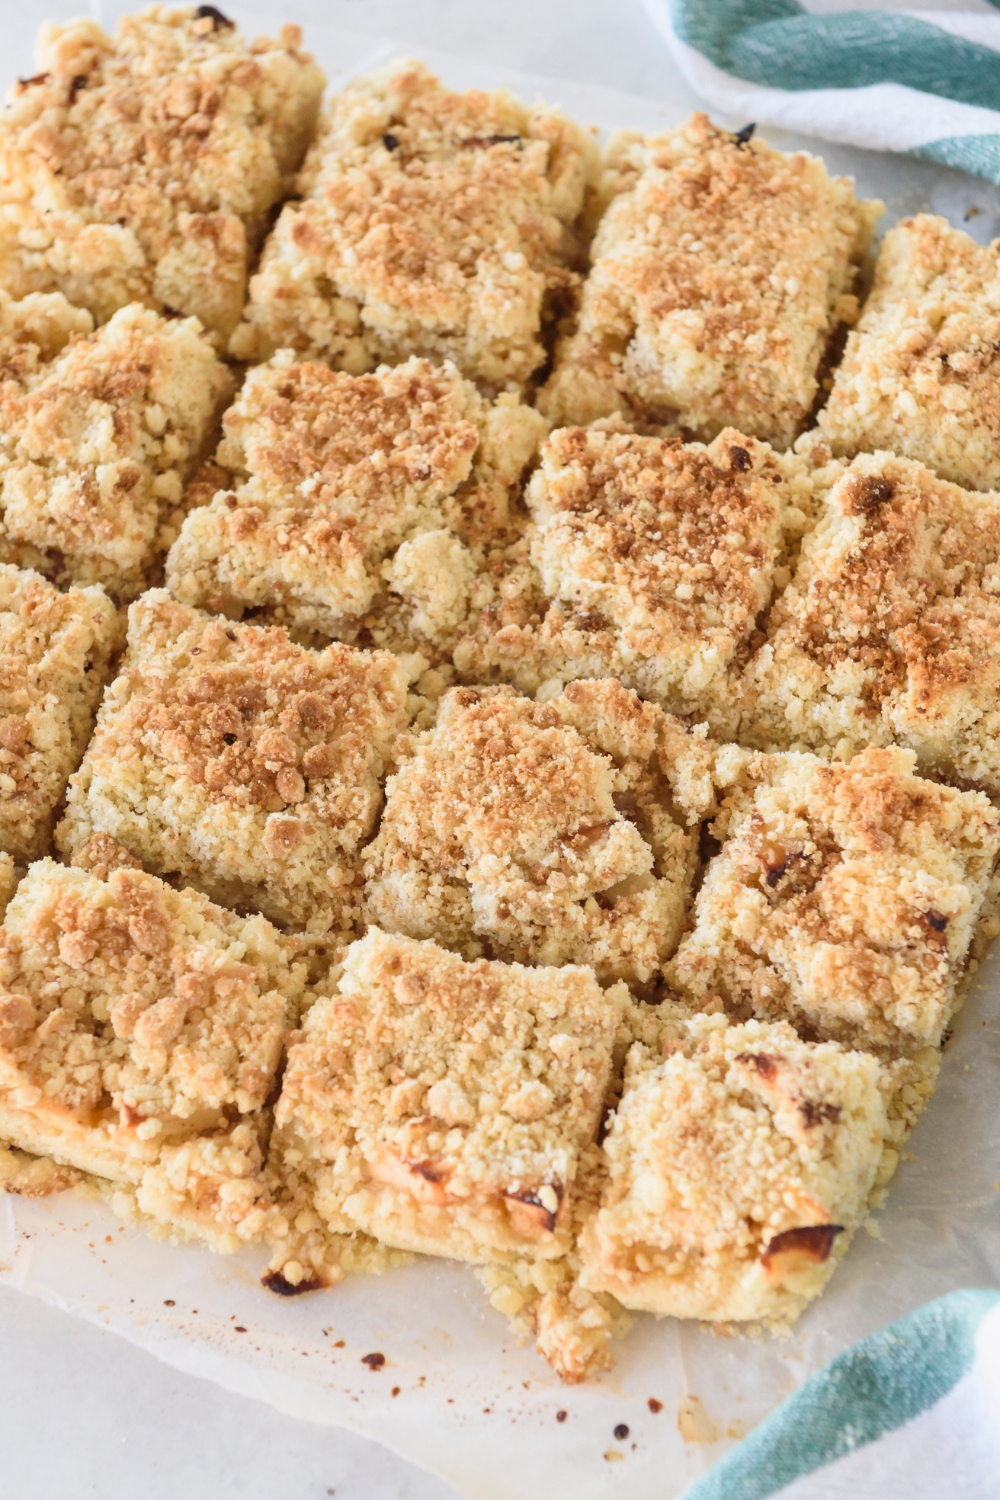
650, 560
244, 762
137, 168
135, 1012
359, 486
544, 833
433, 223
890, 630
718, 271
845, 897
921, 373
464, 1089
738, 1167
55, 652
95, 445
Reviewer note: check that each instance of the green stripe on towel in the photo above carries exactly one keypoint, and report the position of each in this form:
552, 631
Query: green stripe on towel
885, 1380
774, 43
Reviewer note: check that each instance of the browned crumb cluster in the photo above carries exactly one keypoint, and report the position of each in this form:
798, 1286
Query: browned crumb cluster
921, 373
98, 432
55, 652
720, 269
140, 1035
141, 167
644, 559
890, 629
563, 832
240, 762
361, 505
442, 1106
432, 223
845, 898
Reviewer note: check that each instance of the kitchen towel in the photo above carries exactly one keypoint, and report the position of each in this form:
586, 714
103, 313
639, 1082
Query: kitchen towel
913, 1410
893, 79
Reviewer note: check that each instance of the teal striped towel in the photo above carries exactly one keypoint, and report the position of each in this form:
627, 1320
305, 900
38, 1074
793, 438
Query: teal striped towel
877, 75
910, 1413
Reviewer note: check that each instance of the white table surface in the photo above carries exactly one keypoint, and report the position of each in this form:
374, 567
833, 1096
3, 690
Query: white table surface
83, 1413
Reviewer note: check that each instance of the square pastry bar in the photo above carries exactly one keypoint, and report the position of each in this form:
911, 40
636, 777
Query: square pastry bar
443, 1106
98, 434
921, 372
739, 1165
431, 223
55, 657
141, 167
645, 559
360, 503
846, 899
244, 765
140, 1034
890, 629
719, 272
546, 833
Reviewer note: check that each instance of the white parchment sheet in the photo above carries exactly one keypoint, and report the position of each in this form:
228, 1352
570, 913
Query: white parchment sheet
456, 1392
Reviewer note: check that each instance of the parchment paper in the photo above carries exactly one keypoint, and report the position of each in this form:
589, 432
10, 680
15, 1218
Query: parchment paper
456, 1393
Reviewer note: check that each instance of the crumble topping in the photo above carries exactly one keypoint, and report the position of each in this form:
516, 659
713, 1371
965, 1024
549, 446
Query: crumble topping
890, 630
921, 372
645, 559
563, 832
96, 442
844, 899
246, 765
738, 1168
55, 657
356, 500
432, 223
718, 272
141, 167
442, 1105
139, 1025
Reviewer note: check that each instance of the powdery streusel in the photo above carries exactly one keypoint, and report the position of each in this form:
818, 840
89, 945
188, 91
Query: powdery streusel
246, 765
563, 832
719, 271
921, 372
141, 167
360, 503
432, 223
